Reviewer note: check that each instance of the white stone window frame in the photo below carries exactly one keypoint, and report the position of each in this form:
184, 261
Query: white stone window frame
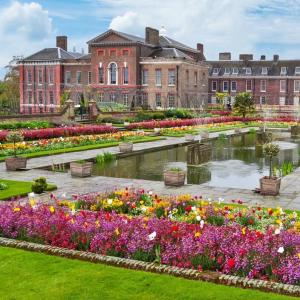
109, 75
264, 71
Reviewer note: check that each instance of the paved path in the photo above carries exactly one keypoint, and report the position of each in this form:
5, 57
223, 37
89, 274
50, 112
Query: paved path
289, 197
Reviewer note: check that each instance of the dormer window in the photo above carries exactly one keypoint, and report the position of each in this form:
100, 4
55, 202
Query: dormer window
235, 71
248, 71
297, 70
227, 71
264, 71
215, 71
283, 71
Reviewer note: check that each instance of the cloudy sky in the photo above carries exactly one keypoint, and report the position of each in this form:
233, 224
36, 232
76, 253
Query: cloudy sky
238, 26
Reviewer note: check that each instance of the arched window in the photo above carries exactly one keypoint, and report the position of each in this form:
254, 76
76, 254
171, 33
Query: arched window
112, 73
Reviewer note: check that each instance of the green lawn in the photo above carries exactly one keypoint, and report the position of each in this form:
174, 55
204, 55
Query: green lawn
82, 148
18, 188
27, 275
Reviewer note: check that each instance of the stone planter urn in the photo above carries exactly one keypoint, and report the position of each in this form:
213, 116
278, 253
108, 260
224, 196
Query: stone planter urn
270, 186
81, 169
174, 178
126, 147
190, 137
15, 163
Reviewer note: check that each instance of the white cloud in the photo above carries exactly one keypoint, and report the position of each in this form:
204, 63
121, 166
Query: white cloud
24, 28
222, 25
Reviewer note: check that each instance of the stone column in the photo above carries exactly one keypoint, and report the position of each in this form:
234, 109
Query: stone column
93, 110
70, 109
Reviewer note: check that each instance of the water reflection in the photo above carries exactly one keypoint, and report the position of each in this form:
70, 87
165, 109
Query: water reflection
236, 162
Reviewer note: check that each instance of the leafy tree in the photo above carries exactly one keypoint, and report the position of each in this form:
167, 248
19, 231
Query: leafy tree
221, 98
64, 97
244, 104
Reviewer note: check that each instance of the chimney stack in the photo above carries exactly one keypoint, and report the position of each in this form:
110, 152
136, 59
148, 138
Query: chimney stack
262, 57
152, 36
246, 57
62, 42
200, 48
224, 56
276, 57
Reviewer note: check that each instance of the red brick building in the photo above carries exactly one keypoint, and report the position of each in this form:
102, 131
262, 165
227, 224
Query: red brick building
271, 82
155, 71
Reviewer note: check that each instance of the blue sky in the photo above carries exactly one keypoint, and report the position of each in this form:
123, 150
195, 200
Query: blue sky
239, 26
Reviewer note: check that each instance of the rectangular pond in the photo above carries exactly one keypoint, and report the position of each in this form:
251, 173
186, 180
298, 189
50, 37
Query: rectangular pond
236, 162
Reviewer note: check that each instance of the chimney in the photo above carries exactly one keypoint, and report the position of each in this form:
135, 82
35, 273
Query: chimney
62, 42
262, 57
276, 57
200, 48
225, 56
246, 57
152, 36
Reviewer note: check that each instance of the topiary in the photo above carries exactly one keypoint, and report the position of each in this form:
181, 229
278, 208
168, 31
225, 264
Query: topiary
39, 185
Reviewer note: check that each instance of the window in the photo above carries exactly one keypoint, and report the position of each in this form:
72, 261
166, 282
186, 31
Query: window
248, 71
51, 76
158, 100
125, 52
215, 71
112, 70
29, 77
214, 86
187, 76
125, 99
51, 97
213, 99
195, 78
112, 97
100, 97
248, 85
40, 76
227, 71
89, 77
41, 100
281, 100
113, 53
158, 77
171, 77
263, 85
225, 86
68, 77
145, 99
233, 86
29, 97
125, 75
297, 70
100, 52
100, 75
262, 100
297, 86
235, 71
283, 71
145, 77
171, 100
282, 86
264, 71
78, 77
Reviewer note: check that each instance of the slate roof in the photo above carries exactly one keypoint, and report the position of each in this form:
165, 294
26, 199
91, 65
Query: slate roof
168, 42
50, 54
273, 67
170, 53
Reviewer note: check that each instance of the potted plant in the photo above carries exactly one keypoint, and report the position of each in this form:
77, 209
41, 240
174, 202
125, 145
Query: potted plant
125, 147
174, 177
270, 185
81, 168
15, 163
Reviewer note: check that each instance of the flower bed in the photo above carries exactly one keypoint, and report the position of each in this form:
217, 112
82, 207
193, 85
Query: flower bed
232, 248
201, 121
47, 133
67, 142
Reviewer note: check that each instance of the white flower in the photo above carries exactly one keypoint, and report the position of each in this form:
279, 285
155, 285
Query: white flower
277, 231
198, 218
31, 195
150, 193
201, 224
109, 201
152, 236
280, 250
144, 208
73, 211
64, 195
221, 200
193, 208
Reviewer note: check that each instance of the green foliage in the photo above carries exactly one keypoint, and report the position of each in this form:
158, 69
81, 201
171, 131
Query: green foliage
244, 104
3, 186
215, 220
25, 125
283, 170
204, 262
271, 150
14, 137
175, 169
64, 97
39, 185
144, 256
179, 113
221, 98
146, 116
111, 106
106, 157
246, 220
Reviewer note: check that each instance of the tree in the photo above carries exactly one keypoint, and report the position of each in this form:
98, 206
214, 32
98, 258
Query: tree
244, 104
221, 98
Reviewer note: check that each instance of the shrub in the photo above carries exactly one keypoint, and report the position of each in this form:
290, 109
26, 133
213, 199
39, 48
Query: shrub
39, 185
15, 137
3, 186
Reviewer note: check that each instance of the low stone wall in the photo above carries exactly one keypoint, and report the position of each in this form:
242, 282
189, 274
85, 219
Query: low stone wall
214, 277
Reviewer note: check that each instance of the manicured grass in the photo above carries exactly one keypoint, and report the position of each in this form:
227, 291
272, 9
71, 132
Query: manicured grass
27, 275
19, 188
81, 148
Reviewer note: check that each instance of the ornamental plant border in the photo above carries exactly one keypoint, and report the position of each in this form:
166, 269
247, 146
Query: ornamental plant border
208, 276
